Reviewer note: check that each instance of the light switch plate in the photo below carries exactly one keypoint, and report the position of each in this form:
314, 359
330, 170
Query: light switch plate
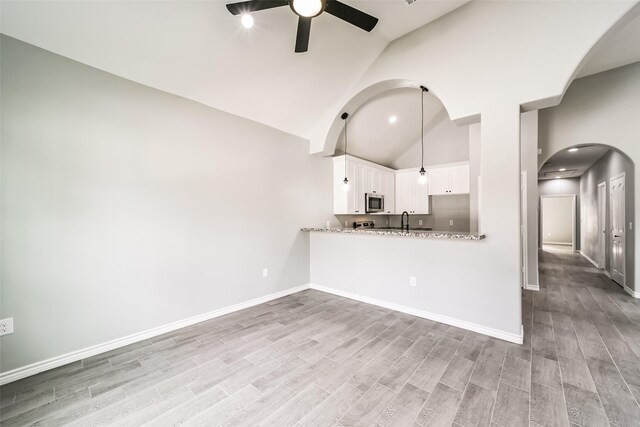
265, 272
412, 281
450, 222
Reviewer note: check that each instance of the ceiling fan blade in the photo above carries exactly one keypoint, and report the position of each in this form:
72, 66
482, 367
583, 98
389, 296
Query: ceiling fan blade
254, 5
302, 39
351, 15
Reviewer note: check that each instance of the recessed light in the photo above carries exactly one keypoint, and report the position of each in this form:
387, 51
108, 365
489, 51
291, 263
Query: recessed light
393, 119
247, 20
558, 177
573, 150
562, 169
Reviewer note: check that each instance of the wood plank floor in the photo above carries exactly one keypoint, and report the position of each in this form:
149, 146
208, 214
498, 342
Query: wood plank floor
313, 359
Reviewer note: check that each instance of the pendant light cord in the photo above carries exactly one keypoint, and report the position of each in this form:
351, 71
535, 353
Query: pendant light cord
422, 125
344, 117
422, 91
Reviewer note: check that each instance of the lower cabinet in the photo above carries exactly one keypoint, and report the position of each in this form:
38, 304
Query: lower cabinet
411, 195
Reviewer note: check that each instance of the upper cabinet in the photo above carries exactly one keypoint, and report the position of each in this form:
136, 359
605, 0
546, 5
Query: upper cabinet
364, 177
411, 195
448, 179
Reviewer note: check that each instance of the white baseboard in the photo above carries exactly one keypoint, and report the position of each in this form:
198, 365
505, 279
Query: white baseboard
518, 339
606, 273
530, 287
54, 362
631, 292
588, 258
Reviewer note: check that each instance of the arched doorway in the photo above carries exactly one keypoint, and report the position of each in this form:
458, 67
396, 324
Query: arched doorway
590, 189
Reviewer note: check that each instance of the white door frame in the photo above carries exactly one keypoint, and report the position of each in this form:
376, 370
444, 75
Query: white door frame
573, 217
624, 227
523, 229
602, 224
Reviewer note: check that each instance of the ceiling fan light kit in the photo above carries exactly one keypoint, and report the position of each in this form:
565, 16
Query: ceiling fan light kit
306, 11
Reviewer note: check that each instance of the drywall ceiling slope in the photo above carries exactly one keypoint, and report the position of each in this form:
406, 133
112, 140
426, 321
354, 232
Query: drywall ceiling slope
372, 137
197, 50
620, 49
576, 163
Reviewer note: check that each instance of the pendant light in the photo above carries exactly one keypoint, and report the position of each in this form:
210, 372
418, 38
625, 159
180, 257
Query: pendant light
345, 185
423, 173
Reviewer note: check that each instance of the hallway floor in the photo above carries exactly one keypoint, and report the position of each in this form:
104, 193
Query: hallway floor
584, 332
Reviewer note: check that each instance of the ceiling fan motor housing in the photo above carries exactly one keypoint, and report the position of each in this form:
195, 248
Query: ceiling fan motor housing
293, 3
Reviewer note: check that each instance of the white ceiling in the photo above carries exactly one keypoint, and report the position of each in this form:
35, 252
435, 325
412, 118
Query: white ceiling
372, 137
621, 49
198, 50
576, 163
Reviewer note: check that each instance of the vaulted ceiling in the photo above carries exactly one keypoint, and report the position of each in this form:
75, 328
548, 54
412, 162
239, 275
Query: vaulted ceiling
198, 50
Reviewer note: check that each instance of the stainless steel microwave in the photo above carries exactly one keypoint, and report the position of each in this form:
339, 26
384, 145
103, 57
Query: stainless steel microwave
374, 202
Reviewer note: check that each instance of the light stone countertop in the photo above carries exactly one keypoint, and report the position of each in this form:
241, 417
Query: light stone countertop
425, 234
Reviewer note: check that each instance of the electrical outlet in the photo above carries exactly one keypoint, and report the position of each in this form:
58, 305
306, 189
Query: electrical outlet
265, 272
345, 224
419, 222
450, 222
6, 326
387, 222
630, 225
412, 281
328, 224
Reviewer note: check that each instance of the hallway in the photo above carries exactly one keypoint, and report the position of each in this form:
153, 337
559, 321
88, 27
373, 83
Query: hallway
584, 332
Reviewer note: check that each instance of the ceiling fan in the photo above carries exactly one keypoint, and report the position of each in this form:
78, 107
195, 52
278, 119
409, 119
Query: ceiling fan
306, 10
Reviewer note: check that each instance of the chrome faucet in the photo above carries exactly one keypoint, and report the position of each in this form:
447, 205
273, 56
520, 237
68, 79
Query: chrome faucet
402, 226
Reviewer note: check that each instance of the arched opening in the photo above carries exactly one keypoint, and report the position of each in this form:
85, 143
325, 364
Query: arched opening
587, 205
391, 136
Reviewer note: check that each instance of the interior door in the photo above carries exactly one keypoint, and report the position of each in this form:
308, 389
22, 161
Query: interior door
616, 204
602, 223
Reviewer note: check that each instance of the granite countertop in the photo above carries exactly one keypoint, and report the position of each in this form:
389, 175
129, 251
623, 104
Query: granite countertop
427, 234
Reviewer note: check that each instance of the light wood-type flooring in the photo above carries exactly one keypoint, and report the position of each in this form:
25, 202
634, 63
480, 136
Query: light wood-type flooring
314, 359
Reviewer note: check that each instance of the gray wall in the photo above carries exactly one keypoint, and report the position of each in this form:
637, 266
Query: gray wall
557, 220
551, 187
608, 166
125, 208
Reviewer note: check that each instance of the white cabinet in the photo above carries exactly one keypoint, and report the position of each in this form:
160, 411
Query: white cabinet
411, 196
388, 182
364, 177
447, 180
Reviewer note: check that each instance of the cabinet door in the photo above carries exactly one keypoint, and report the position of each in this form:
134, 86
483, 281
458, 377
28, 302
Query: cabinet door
376, 179
351, 199
438, 181
368, 179
405, 192
359, 189
421, 197
389, 191
459, 179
